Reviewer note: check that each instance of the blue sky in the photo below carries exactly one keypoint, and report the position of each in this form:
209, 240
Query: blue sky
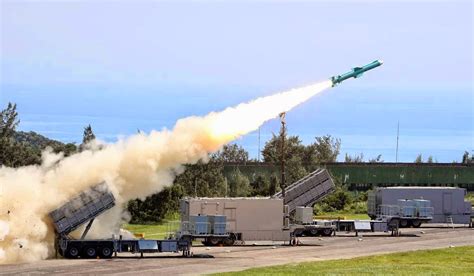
128, 65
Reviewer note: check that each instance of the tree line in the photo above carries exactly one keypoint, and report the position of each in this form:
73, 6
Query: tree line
18, 148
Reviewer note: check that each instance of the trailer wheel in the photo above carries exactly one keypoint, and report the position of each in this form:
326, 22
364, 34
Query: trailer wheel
72, 252
403, 223
214, 241
90, 252
230, 240
106, 252
327, 232
313, 232
416, 223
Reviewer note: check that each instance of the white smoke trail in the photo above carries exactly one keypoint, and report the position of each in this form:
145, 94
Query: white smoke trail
133, 168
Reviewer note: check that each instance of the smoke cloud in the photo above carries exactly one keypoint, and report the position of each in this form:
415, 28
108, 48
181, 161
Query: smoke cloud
133, 168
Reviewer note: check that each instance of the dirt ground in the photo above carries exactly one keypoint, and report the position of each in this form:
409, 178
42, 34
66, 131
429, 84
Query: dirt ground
261, 254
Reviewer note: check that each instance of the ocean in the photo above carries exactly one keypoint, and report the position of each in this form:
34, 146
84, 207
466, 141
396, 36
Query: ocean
437, 122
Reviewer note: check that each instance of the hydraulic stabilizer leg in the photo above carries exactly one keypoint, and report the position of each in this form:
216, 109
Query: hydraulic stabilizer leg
87, 229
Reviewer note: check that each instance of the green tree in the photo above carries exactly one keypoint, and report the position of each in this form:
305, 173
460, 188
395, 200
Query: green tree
430, 159
338, 200
377, 159
466, 159
327, 148
324, 150
273, 188
295, 170
294, 156
260, 186
12, 152
203, 179
232, 153
88, 135
354, 159
157, 206
272, 150
8, 121
419, 158
238, 184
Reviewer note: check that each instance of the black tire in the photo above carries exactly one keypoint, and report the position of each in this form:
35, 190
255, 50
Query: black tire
300, 233
229, 241
327, 232
214, 241
106, 252
72, 252
416, 223
313, 232
404, 223
90, 252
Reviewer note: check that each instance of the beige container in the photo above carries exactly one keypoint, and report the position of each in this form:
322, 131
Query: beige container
253, 219
304, 215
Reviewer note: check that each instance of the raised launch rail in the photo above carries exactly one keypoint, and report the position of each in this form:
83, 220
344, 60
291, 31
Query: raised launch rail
82, 208
308, 190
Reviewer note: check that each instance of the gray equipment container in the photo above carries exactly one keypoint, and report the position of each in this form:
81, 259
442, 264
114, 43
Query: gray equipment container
217, 225
304, 215
407, 207
199, 224
423, 207
169, 246
447, 202
308, 190
85, 207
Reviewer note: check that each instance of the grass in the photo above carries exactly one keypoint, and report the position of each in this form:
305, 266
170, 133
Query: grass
470, 197
355, 210
449, 261
153, 231
343, 214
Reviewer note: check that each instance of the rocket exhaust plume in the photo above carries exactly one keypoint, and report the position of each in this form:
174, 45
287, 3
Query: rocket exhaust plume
133, 168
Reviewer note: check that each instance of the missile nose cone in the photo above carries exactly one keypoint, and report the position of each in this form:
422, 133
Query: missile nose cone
380, 61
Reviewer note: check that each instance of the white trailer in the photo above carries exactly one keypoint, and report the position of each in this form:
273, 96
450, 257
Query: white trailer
262, 218
448, 202
248, 219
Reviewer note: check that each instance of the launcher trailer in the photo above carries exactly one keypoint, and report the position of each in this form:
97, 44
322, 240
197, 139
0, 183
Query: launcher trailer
83, 209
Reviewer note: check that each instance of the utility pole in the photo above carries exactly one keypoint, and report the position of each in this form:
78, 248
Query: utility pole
398, 136
282, 156
258, 156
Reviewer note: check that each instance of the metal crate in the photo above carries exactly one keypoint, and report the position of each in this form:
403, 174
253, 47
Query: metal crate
308, 190
82, 208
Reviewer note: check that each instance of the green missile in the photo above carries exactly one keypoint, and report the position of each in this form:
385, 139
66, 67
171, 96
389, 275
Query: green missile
355, 72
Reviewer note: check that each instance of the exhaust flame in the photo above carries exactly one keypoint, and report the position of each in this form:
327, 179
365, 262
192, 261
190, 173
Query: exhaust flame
133, 168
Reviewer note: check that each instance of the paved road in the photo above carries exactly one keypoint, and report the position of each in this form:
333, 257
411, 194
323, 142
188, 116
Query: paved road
242, 257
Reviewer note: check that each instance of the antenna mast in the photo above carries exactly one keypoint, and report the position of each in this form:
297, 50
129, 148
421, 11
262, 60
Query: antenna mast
398, 136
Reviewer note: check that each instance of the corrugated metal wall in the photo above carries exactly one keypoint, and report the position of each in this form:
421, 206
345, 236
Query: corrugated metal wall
362, 176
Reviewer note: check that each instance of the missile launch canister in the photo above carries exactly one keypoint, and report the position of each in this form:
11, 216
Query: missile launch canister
356, 72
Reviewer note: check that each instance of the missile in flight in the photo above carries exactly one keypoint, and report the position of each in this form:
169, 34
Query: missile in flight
355, 72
